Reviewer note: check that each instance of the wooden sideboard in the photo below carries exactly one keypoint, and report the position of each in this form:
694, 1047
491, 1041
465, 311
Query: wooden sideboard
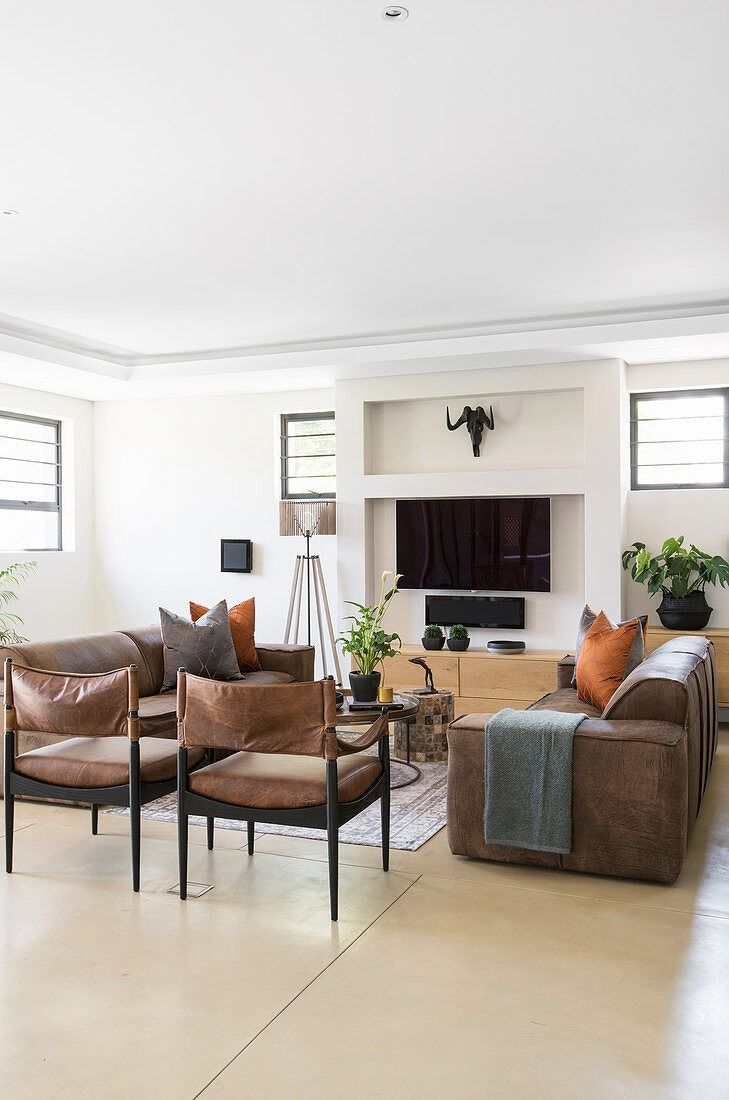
481, 681
657, 635
484, 681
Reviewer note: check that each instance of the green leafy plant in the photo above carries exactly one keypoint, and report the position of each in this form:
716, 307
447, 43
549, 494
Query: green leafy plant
366, 641
458, 633
432, 631
676, 571
10, 580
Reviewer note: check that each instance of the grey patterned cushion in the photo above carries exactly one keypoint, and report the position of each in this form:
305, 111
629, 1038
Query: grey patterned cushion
204, 648
637, 650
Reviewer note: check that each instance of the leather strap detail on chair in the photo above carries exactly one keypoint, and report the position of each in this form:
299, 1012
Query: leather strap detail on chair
378, 729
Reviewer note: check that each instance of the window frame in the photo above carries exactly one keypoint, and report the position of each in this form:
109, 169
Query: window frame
55, 506
291, 418
657, 395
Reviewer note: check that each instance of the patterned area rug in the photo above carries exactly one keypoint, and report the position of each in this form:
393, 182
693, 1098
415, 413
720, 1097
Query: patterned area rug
417, 813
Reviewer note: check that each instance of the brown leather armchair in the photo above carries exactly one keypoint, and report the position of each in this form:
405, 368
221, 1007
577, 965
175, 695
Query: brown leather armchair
288, 766
101, 759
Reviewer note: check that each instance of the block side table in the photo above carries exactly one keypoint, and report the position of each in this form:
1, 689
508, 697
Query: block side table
423, 737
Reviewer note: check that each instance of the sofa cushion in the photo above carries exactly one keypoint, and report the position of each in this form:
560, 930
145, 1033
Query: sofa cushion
89, 653
568, 701
243, 628
603, 659
637, 651
268, 678
204, 648
101, 761
148, 640
276, 781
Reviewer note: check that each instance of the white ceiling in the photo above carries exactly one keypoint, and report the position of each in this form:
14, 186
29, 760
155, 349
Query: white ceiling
241, 189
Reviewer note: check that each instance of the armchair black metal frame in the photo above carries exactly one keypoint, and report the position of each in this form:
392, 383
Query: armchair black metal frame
133, 794
329, 816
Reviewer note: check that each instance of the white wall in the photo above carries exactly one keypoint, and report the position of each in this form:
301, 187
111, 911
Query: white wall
176, 476
58, 600
574, 454
702, 515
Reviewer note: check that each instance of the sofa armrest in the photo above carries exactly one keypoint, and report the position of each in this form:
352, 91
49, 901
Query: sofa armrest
565, 671
297, 660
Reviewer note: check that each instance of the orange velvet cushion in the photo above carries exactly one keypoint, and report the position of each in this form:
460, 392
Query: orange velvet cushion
242, 627
603, 659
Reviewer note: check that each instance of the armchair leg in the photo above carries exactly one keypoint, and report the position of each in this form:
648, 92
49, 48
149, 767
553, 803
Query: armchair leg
94, 819
9, 825
9, 798
385, 823
211, 833
384, 753
182, 820
251, 836
333, 836
135, 811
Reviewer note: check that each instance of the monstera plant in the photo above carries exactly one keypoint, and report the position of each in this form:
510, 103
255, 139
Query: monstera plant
10, 580
681, 573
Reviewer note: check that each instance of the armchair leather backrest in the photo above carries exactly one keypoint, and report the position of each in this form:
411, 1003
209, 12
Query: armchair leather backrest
102, 704
296, 719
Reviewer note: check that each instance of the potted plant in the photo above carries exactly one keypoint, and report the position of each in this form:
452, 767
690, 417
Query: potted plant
458, 638
369, 644
433, 637
10, 580
682, 575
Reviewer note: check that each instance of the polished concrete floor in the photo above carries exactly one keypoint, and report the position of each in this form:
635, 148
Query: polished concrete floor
445, 977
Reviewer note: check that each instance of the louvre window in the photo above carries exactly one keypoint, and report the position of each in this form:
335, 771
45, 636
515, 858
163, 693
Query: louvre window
680, 439
308, 455
30, 483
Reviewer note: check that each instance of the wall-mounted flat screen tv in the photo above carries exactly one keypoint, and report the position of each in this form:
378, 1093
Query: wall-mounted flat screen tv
492, 544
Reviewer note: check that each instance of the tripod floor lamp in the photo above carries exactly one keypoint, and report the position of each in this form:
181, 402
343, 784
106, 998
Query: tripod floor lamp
307, 518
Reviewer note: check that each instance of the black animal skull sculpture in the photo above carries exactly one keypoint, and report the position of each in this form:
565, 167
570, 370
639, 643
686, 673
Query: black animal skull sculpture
475, 420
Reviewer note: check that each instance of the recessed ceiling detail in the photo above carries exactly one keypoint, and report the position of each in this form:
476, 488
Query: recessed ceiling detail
289, 176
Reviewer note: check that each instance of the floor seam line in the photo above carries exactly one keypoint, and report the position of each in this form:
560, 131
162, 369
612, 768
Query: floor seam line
308, 985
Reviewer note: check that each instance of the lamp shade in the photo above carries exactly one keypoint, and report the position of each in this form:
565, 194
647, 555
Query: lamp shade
318, 517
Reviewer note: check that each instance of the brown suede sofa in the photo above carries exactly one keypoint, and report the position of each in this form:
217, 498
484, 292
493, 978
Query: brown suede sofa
639, 769
280, 664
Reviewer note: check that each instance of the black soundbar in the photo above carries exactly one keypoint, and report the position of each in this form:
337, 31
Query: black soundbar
487, 612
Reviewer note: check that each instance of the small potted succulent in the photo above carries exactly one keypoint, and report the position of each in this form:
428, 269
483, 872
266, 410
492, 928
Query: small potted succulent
458, 638
433, 637
681, 575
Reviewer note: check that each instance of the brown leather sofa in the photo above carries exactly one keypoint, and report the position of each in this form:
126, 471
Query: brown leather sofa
280, 664
639, 769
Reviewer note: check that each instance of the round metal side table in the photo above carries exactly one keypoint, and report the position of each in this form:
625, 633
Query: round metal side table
405, 714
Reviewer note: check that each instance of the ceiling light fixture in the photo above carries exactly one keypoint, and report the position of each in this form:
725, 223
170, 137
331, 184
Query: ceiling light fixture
395, 12
11, 213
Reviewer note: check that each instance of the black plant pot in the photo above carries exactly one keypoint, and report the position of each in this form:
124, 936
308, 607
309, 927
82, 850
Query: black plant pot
458, 645
685, 612
364, 688
433, 643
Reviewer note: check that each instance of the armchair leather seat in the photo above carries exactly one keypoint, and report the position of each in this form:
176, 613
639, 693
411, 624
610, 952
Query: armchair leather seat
277, 781
101, 761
